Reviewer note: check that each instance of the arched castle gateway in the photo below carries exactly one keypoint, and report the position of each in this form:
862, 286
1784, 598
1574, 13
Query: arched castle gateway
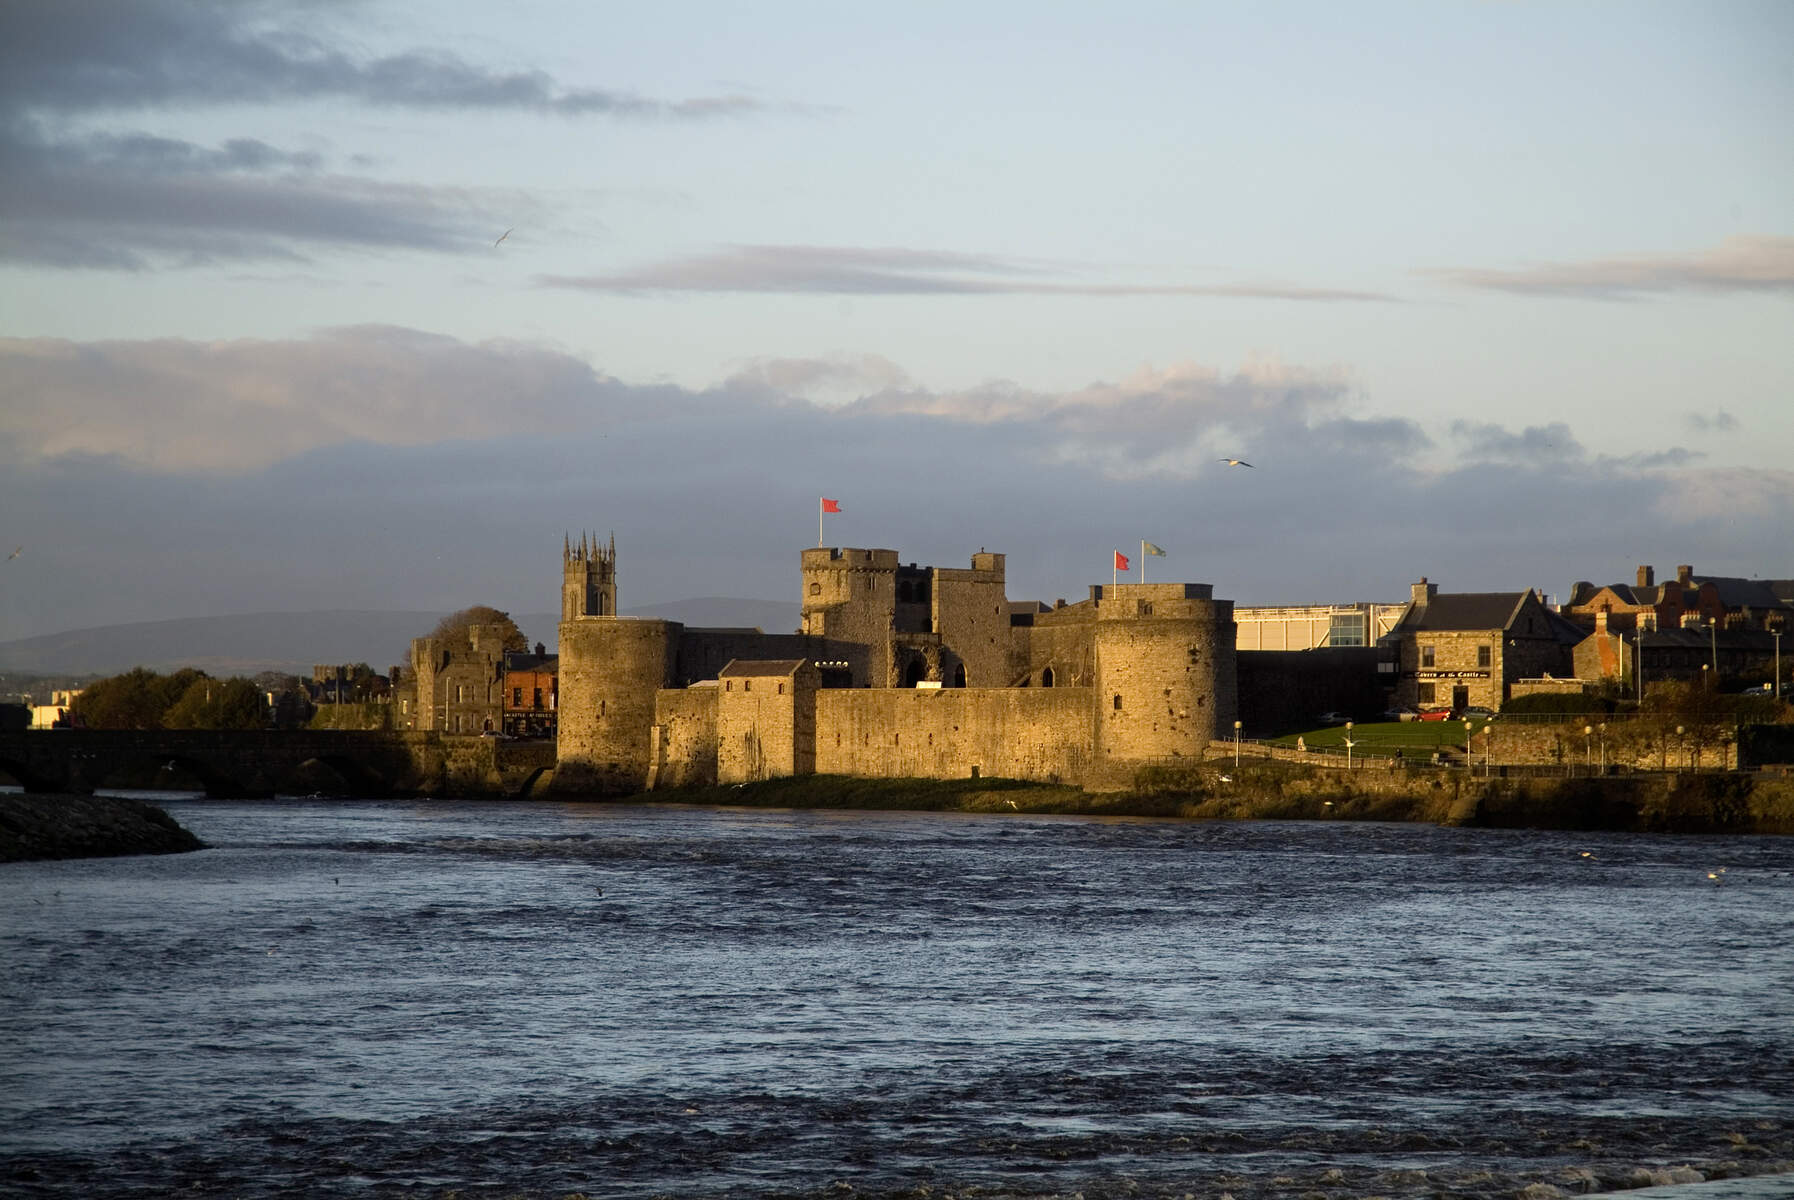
898, 670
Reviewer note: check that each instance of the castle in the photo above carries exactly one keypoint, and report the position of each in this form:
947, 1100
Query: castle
898, 670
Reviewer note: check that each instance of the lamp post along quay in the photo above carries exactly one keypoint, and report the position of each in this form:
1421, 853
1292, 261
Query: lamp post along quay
1236, 745
1349, 743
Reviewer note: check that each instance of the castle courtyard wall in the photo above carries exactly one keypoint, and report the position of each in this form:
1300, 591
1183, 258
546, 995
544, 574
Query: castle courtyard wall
946, 733
684, 738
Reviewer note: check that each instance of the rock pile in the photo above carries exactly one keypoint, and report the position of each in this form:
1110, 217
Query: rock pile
55, 826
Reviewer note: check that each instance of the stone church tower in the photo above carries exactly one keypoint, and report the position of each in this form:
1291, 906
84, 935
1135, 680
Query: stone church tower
588, 578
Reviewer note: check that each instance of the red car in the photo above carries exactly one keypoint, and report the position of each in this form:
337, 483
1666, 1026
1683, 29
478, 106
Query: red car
1435, 714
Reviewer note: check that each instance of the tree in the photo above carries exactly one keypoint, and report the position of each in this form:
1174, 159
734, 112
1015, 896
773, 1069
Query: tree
456, 624
128, 701
218, 704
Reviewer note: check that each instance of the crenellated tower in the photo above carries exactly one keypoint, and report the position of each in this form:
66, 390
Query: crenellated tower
588, 577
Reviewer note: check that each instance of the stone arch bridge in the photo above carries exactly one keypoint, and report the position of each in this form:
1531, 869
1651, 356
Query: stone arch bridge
261, 762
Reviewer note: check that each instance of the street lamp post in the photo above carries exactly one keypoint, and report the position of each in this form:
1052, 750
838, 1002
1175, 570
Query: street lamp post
1602, 730
1488, 748
1713, 637
1236, 745
1466, 746
1588, 750
1706, 679
1349, 744
1679, 745
1777, 635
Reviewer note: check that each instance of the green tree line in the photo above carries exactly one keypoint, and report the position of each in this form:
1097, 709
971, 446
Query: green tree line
187, 699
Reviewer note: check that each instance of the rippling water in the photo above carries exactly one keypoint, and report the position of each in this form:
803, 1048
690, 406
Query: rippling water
384, 999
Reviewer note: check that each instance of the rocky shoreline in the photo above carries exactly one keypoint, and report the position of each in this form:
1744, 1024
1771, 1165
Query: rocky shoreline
34, 827
1720, 802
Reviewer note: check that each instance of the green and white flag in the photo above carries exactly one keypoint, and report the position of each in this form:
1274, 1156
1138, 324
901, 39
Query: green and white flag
1149, 548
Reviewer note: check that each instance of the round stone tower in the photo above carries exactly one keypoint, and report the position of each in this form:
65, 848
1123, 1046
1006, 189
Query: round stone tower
610, 668
1165, 679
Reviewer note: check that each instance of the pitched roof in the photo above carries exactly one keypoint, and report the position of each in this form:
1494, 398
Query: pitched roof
1465, 610
760, 667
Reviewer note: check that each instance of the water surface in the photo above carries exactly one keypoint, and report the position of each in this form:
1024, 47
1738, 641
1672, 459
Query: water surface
345, 999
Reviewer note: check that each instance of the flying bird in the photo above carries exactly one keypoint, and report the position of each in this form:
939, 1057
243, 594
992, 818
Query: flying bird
1236, 462
507, 233
15, 554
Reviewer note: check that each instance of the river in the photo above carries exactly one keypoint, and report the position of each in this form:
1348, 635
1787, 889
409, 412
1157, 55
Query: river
386, 999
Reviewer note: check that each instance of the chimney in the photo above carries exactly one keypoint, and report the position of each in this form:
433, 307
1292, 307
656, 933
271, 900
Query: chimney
1646, 577
1684, 574
1424, 592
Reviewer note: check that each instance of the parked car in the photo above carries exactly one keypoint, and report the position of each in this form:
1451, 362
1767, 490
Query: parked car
1401, 714
1333, 718
1477, 712
1435, 714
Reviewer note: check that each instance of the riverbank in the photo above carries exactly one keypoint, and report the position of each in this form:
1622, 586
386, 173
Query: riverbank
1272, 791
36, 826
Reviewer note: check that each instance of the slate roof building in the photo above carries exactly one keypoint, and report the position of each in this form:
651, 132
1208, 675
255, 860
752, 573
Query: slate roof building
1690, 600
1460, 649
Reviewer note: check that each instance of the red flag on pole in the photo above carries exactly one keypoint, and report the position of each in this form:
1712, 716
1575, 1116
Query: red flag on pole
1120, 561
830, 505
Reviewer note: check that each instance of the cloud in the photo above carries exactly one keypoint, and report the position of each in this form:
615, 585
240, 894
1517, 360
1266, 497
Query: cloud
1743, 263
386, 468
233, 407
1536, 444
76, 197
1728, 496
1720, 422
129, 202
897, 271
56, 56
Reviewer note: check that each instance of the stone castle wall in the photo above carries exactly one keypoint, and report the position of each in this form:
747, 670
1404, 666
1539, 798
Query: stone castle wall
952, 733
684, 738
971, 614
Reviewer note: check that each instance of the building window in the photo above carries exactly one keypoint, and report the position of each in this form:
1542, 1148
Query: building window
747, 685
815, 589
537, 698
1348, 629
1046, 677
1426, 656
781, 689
1118, 702
1425, 695
1484, 656
517, 698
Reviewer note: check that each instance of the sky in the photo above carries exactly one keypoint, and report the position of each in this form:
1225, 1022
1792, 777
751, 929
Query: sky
322, 304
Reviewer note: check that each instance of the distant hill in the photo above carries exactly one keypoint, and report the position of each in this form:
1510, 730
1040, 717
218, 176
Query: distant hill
247, 643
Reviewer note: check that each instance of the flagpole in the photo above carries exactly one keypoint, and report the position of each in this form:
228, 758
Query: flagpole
819, 520
1142, 560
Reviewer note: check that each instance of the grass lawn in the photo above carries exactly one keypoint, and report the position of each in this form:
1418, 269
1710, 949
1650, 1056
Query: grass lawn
1385, 737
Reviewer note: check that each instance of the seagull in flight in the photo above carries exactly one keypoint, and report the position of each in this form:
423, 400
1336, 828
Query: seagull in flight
15, 554
1235, 462
507, 233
